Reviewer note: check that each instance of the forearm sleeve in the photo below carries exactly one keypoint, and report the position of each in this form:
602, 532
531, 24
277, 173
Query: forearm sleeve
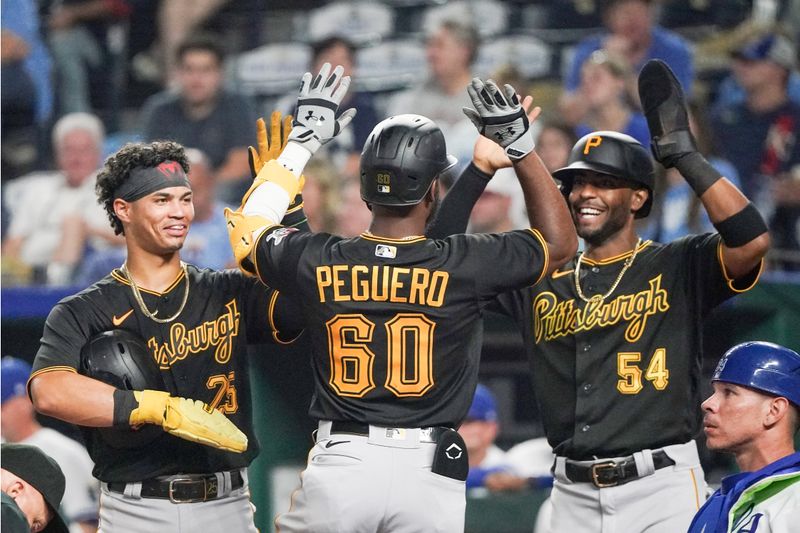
457, 205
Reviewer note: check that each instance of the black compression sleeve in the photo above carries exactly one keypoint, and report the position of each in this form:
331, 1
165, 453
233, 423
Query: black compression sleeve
742, 227
124, 404
698, 172
453, 214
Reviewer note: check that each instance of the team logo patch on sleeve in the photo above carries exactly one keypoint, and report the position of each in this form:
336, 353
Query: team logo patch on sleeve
384, 250
277, 236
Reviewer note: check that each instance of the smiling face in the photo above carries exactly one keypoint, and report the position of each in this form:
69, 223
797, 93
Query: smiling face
734, 417
602, 205
157, 223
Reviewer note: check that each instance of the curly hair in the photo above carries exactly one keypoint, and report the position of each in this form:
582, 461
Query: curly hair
117, 170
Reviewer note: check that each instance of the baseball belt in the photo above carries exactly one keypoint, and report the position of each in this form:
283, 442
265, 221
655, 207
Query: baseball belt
188, 488
612, 473
428, 434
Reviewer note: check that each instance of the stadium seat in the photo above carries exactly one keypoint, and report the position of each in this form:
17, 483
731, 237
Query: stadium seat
361, 21
271, 70
391, 65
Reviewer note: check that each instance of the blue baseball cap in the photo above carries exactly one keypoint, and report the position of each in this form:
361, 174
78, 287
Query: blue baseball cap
484, 406
771, 47
14, 373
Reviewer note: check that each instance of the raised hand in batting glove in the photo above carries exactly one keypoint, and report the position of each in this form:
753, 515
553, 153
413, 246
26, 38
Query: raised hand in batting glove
269, 147
315, 122
500, 117
671, 141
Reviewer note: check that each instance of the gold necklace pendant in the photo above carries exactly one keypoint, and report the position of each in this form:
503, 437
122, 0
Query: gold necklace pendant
597, 299
137, 295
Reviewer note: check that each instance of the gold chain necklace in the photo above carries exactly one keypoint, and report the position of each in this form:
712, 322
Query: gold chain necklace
137, 295
597, 298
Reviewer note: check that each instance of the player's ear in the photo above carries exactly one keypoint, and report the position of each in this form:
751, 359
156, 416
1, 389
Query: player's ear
122, 209
638, 199
14, 488
778, 408
433, 192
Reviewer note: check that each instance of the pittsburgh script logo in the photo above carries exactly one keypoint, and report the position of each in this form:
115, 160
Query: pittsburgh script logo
553, 319
182, 342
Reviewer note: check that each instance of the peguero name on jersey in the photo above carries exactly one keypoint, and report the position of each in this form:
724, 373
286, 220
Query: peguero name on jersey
381, 283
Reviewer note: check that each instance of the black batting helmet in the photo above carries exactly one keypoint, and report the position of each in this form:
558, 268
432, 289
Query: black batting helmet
400, 160
121, 358
612, 153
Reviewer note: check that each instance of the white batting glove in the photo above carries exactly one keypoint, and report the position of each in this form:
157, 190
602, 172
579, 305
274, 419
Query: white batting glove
315, 121
500, 117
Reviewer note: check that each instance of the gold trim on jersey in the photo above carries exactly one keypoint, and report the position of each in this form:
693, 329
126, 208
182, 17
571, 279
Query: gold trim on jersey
45, 370
183, 342
406, 240
298, 207
271, 319
553, 318
598, 262
117, 275
729, 280
696, 491
546, 264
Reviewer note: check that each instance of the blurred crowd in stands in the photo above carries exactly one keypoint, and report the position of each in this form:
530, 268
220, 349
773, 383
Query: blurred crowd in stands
82, 77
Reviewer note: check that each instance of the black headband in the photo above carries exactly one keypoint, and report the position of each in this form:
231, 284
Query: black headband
145, 180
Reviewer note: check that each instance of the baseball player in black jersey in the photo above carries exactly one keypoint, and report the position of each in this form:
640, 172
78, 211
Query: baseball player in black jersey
614, 337
195, 324
394, 317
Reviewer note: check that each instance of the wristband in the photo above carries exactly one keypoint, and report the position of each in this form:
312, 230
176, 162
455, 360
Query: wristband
521, 147
697, 172
742, 227
294, 157
124, 404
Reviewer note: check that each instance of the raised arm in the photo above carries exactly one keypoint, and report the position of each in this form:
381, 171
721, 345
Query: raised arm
501, 117
278, 181
740, 225
488, 157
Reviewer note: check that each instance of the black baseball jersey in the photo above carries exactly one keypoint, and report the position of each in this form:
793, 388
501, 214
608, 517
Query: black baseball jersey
395, 325
201, 354
618, 376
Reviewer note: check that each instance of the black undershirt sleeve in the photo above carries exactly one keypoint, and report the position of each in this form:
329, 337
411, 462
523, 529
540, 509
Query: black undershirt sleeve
453, 214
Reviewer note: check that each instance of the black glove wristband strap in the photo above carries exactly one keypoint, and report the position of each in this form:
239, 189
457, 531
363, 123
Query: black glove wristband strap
698, 172
741, 228
124, 403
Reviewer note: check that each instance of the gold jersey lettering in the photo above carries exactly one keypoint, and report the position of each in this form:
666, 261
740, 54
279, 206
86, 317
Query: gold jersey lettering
381, 283
218, 333
360, 283
553, 318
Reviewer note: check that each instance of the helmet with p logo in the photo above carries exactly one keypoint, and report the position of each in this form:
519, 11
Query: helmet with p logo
612, 153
